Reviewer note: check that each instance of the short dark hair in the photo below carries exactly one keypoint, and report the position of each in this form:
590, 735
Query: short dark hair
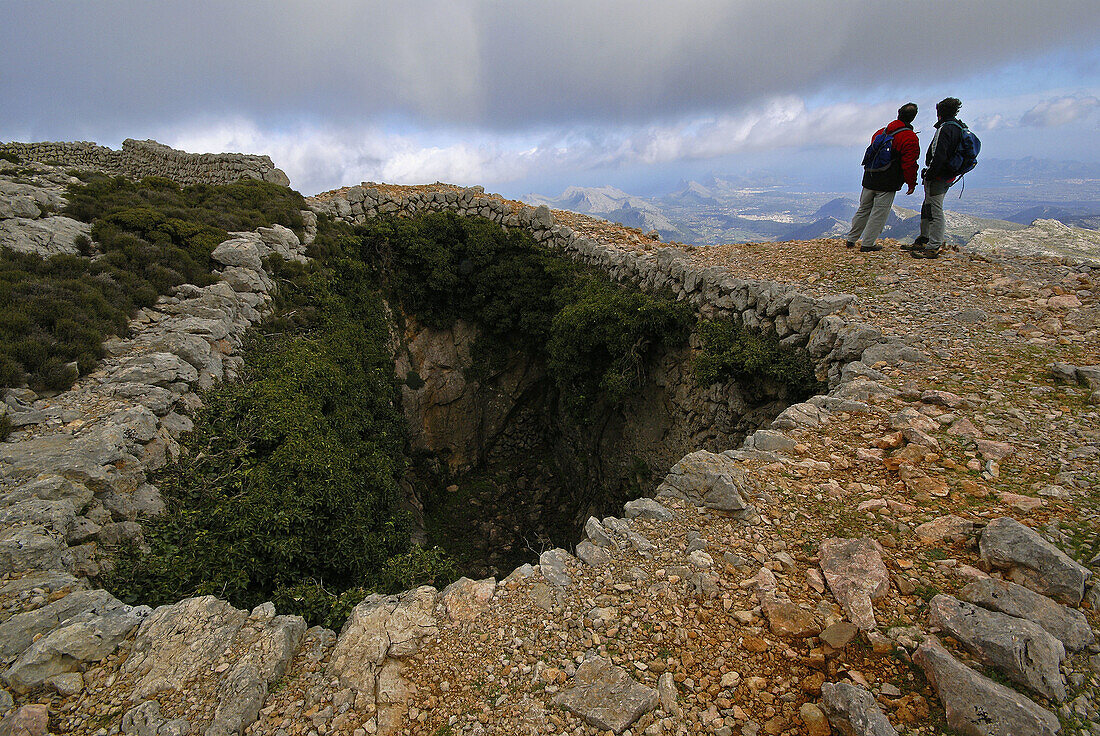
907, 112
948, 107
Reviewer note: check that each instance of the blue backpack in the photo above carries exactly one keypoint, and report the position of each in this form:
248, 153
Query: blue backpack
880, 154
965, 157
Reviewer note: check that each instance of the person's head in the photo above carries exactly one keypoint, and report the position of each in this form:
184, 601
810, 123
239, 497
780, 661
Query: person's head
907, 112
948, 108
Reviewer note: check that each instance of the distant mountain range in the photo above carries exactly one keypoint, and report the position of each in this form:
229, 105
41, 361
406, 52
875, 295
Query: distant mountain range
759, 207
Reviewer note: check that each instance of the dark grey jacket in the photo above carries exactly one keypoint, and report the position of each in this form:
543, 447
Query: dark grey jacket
944, 144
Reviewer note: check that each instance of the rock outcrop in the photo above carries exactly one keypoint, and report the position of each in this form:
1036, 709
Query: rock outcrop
138, 159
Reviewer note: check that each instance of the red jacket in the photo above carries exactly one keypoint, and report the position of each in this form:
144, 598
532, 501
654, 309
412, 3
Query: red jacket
907, 149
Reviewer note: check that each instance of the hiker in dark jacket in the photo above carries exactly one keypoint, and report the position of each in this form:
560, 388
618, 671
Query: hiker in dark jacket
938, 178
879, 187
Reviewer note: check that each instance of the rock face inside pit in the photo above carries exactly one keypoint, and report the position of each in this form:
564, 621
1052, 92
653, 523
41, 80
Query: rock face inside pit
527, 473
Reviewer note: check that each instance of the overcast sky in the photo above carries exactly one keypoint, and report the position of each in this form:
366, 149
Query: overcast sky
531, 95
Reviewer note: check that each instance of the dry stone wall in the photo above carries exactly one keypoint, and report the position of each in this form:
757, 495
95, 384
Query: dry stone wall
843, 348
138, 159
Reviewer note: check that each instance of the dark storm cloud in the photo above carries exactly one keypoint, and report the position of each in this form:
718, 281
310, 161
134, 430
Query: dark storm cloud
101, 66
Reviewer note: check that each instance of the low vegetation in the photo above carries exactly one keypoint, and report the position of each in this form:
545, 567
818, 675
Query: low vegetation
594, 335
731, 351
148, 237
288, 488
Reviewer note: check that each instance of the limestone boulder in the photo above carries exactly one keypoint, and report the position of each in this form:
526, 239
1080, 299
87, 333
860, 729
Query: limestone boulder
707, 479
554, 565
646, 508
382, 628
977, 706
1032, 561
240, 250
590, 554
31, 547
606, 697
156, 369
233, 653
79, 641
49, 236
853, 711
53, 516
1022, 650
856, 575
466, 599
19, 631
1066, 624
179, 642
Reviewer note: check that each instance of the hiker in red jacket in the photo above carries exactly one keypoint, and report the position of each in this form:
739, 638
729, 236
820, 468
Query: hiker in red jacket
891, 161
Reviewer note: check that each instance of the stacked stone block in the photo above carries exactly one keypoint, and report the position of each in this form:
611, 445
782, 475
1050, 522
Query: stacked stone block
139, 159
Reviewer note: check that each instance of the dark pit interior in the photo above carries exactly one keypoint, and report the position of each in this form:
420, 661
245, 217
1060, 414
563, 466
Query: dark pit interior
504, 472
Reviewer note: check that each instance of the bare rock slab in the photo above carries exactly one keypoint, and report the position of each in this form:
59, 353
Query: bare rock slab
606, 697
1067, 625
382, 628
856, 575
977, 706
466, 599
19, 631
852, 710
82, 639
1024, 651
190, 641
1032, 561
707, 479
179, 642
29, 720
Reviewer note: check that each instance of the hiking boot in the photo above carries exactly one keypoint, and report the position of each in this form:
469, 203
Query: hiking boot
869, 248
850, 243
920, 241
926, 253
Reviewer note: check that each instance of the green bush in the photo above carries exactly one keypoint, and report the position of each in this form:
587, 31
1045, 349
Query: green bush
287, 490
5, 427
245, 205
10, 157
594, 335
600, 340
729, 351
151, 235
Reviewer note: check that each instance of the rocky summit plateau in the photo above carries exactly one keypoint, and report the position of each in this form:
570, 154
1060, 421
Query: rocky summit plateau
914, 549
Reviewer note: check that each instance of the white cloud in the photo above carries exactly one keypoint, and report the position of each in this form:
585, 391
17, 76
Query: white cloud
1060, 111
319, 157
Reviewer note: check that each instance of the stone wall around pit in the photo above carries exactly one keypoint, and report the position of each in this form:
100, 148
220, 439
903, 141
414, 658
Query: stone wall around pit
139, 159
828, 327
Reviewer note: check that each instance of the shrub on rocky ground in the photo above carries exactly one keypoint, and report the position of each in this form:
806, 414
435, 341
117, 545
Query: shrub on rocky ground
593, 334
730, 350
150, 236
288, 486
